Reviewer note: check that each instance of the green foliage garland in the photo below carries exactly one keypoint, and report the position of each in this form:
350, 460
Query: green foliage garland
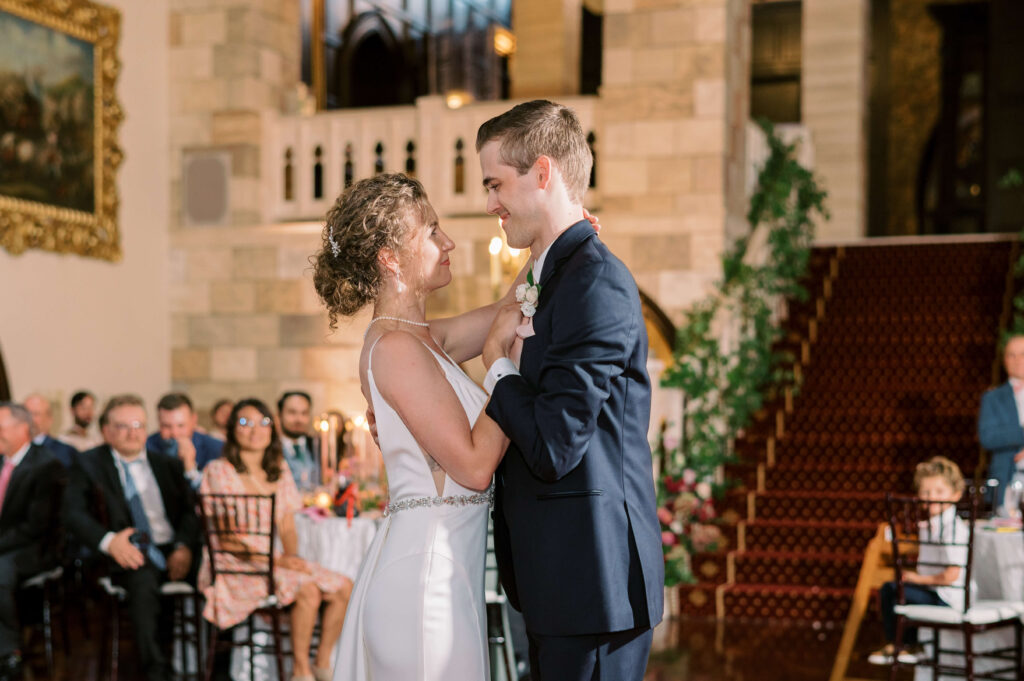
723, 387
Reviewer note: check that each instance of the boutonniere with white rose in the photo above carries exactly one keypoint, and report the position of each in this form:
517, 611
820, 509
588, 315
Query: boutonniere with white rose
527, 295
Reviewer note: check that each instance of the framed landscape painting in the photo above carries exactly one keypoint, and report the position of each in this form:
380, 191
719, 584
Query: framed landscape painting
59, 116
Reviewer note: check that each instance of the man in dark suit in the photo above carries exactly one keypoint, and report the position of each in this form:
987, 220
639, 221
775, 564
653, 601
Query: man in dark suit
1000, 418
576, 534
31, 491
301, 450
42, 419
138, 508
178, 436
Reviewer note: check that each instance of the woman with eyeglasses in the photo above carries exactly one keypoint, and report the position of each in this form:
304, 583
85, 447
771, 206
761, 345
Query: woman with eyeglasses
252, 463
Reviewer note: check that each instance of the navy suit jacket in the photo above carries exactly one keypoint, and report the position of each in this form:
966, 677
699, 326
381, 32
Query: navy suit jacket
207, 448
999, 432
96, 503
64, 452
576, 534
31, 512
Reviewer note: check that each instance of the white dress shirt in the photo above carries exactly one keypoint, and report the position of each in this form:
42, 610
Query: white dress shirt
16, 459
149, 493
503, 366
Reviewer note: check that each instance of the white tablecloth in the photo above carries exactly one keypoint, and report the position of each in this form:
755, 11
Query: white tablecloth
332, 543
329, 542
998, 571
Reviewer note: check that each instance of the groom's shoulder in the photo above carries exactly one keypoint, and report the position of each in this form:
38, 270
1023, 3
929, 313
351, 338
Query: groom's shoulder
595, 260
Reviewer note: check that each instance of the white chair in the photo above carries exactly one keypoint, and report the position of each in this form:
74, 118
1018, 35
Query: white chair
916, 530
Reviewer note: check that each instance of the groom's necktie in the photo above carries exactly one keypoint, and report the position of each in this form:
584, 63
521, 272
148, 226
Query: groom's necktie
139, 519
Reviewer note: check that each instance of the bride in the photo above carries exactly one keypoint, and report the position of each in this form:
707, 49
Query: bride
417, 610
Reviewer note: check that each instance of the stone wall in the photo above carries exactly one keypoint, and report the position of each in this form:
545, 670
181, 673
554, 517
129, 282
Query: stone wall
834, 93
673, 105
670, 127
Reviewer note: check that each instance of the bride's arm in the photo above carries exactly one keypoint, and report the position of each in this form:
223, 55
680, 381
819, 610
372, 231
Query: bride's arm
462, 336
410, 379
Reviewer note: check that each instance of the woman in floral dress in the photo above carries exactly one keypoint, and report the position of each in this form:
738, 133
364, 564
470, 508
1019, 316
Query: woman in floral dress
252, 463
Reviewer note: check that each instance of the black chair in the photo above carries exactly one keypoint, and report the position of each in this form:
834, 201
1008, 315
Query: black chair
916, 534
239, 526
50, 584
179, 593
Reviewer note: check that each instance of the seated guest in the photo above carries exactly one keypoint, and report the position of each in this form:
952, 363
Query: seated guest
253, 464
31, 485
80, 435
42, 419
301, 451
1000, 418
178, 436
219, 415
137, 508
940, 575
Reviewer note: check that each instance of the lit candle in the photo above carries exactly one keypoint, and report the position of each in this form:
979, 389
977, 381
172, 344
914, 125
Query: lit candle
325, 472
495, 250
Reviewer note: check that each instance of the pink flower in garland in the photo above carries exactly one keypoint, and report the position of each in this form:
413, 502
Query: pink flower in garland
669, 538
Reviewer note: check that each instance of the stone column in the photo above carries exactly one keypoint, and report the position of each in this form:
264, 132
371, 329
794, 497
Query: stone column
674, 106
547, 58
834, 94
230, 61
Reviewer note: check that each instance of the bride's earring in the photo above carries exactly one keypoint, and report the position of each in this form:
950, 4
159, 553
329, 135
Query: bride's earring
399, 282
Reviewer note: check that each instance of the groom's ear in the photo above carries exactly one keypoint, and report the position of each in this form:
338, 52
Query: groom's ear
543, 166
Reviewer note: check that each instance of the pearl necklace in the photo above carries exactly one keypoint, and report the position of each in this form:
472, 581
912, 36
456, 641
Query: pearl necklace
394, 319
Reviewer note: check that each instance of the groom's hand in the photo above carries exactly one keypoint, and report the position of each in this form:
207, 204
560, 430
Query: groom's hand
502, 334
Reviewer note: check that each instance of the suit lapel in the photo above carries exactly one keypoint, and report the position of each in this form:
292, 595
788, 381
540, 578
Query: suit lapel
21, 473
1010, 401
561, 250
563, 247
111, 480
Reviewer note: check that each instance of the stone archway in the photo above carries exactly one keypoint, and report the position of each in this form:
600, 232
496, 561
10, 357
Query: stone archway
372, 68
661, 332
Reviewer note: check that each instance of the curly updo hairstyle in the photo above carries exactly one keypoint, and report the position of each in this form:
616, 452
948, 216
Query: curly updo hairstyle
370, 215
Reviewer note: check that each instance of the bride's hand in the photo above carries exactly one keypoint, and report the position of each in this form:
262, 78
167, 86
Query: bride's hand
594, 221
516, 352
503, 333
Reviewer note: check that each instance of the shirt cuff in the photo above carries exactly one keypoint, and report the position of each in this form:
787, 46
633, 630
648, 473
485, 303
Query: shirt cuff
105, 542
501, 368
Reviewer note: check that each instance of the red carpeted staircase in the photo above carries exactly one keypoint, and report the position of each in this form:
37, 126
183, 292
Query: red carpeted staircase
894, 346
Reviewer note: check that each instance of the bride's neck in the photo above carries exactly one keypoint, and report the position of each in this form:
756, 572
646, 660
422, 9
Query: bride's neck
402, 304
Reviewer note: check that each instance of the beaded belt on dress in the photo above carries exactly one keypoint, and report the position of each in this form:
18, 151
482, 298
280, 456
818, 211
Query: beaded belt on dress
486, 497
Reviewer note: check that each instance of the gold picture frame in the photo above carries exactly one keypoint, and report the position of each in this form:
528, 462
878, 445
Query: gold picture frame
58, 129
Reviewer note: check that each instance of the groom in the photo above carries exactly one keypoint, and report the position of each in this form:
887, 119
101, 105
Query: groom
576, 535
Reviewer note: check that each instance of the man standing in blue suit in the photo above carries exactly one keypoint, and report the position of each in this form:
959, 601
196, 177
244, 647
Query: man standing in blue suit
576, 533
1000, 417
178, 436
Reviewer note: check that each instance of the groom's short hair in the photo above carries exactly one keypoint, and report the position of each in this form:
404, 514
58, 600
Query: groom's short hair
542, 128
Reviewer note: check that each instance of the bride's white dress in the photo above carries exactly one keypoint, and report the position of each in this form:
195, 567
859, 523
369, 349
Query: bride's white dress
417, 610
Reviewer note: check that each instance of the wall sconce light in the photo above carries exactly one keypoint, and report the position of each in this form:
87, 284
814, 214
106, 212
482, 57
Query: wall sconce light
504, 41
456, 99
